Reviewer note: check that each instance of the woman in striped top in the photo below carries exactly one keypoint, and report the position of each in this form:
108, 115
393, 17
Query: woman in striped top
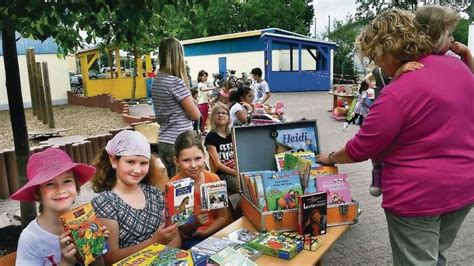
174, 106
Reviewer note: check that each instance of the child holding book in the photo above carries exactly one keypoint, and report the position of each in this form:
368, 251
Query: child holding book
133, 210
219, 146
190, 158
54, 181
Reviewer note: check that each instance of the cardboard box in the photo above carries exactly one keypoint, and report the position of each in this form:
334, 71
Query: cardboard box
254, 150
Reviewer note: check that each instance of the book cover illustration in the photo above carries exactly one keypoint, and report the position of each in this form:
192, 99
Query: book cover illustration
319, 171
298, 139
260, 190
300, 164
312, 214
214, 195
248, 252
277, 245
180, 201
158, 254
230, 257
212, 245
308, 155
280, 160
311, 243
337, 188
86, 232
241, 235
282, 190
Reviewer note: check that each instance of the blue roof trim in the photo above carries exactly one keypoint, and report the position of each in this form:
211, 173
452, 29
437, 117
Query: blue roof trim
48, 46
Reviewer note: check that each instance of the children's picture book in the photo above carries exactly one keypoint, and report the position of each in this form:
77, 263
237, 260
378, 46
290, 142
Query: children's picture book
241, 235
253, 188
229, 257
214, 195
277, 245
312, 214
308, 155
337, 188
248, 251
298, 139
311, 243
300, 164
212, 245
318, 171
180, 201
86, 232
280, 160
282, 190
158, 254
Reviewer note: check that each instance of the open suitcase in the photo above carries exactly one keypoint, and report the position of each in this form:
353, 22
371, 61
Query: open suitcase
254, 150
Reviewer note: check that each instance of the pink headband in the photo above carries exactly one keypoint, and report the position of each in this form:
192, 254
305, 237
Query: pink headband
129, 143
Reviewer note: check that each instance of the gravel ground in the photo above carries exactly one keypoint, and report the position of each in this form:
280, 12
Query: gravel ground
83, 121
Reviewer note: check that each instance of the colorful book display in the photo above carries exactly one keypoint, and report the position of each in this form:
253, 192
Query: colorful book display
230, 256
298, 139
158, 254
249, 252
212, 245
282, 190
277, 245
86, 232
337, 188
214, 195
319, 171
312, 214
300, 164
180, 201
311, 243
241, 235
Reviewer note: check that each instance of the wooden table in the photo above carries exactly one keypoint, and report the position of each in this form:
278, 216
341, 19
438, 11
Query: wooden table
305, 257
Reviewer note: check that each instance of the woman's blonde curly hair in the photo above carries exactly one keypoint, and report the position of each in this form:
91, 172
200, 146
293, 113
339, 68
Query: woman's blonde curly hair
394, 32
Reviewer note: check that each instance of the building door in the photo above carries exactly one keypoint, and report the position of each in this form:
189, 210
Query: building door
223, 66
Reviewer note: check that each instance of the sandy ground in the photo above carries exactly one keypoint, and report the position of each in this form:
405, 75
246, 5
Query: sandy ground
80, 120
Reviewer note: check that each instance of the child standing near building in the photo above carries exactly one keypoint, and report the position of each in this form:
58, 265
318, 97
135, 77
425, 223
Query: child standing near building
190, 158
361, 108
196, 124
54, 181
260, 87
133, 210
203, 99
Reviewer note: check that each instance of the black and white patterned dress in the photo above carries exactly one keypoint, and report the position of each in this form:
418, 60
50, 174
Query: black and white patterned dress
135, 225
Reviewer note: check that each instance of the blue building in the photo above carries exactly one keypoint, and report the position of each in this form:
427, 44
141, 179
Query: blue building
290, 61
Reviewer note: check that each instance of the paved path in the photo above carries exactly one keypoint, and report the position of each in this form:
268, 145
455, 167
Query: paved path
366, 243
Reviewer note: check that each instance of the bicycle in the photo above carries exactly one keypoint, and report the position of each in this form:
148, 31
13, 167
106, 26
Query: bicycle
219, 79
244, 80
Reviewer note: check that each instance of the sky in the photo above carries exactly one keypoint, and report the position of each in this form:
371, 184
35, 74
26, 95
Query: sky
337, 9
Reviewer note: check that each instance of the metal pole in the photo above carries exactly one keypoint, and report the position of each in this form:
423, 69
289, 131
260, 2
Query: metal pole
329, 25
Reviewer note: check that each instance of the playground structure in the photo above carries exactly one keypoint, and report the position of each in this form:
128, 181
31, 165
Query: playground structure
118, 85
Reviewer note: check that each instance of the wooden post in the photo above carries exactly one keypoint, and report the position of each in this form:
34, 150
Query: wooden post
4, 190
39, 81
76, 152
90, 154
69, 150
30, 53
12, 170
83, 152
47, 92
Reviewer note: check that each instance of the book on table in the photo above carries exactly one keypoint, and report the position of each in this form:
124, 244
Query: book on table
277, 245
230, 256
312, 214
161, 255
282, 190
86, 232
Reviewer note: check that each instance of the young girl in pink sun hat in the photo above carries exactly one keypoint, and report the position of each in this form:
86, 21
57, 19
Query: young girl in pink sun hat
54, 181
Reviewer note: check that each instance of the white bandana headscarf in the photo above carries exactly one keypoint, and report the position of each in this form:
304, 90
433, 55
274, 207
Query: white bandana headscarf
129, 143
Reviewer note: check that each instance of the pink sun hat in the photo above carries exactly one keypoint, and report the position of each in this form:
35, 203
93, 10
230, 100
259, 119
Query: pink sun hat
45, 166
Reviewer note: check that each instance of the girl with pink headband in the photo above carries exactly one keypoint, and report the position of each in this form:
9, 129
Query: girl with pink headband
133, 209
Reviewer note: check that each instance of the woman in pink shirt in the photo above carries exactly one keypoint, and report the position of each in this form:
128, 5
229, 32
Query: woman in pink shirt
422, 129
